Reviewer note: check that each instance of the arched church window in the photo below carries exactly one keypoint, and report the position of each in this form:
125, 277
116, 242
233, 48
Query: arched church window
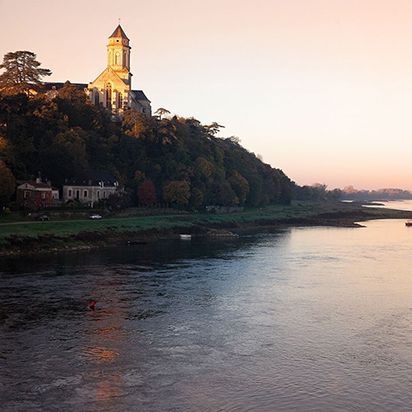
117, 58
119, 100
108, 96
96, 97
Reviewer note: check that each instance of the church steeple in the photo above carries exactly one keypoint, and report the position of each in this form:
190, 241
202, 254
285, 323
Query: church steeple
118, 32
112, 89
118, 53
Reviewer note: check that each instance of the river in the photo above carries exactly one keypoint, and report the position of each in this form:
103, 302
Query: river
302, 319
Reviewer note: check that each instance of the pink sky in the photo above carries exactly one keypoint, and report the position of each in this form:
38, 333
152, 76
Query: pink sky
319, 88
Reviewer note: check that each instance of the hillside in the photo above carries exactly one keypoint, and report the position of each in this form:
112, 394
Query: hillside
174, 161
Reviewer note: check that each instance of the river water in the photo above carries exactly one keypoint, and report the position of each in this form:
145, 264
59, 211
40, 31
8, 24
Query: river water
302, 319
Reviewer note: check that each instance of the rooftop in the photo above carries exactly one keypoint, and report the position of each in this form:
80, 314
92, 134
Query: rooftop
118, 32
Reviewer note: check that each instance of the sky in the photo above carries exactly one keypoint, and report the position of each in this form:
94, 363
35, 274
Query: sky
319, 88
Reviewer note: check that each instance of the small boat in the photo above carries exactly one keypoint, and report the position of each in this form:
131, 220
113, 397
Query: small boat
408, 223
185, 237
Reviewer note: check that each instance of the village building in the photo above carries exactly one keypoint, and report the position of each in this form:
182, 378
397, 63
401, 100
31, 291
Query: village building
89, 192
112, 89
36, 195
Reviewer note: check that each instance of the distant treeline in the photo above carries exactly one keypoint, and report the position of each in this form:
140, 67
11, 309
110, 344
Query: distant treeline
319, 192
381, 194
174, 161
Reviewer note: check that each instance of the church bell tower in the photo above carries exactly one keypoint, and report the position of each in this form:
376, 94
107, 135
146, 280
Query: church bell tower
118, 54
112, 89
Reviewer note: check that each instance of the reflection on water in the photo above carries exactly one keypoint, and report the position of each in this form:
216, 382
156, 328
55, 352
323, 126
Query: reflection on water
395, 204
303, 319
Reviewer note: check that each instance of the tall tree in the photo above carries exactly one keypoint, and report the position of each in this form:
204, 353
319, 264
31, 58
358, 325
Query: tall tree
7, 184
21, 72
146, 193
214, 128
240, 186
177, 192
161, 112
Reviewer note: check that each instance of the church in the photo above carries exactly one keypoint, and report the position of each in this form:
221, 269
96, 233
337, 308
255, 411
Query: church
113, 87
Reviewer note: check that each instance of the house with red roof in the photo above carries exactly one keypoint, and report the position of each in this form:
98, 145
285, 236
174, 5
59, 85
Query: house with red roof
36, 195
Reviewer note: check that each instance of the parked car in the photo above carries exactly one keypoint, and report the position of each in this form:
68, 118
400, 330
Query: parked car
43, 218
95, 217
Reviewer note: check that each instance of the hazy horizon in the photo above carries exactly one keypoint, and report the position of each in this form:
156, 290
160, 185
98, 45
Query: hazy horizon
320, 89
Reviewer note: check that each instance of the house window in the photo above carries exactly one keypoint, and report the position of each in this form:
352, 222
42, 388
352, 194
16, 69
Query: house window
77, 194
69, 193
104, 195
43, 195
85, 194
98, 194
26, 194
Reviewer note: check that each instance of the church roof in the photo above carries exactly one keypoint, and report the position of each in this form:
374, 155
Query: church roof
139, 95
46, 86
118, 32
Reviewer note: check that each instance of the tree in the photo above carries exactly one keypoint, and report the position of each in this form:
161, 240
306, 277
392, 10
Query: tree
222, 194
161, 112
73, 104
72, 93
234, 139
146, 193
203, 167
66, 157
21, 72
7, 184
3, 146
240, 186
213, 129
134, 123
116, 201
177, 192
196, 198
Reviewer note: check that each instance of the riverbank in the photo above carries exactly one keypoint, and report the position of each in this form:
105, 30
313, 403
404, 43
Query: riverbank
20, 238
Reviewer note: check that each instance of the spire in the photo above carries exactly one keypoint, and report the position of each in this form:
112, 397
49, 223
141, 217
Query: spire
119, 33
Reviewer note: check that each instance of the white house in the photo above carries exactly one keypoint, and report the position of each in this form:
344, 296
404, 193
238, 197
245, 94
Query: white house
89, 192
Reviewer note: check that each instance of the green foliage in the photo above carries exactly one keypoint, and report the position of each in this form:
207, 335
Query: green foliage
161, 112
116, 201
240, 186
196, 198
21, 72
7, 184
317, 192
177, 193
146, 193
65, 137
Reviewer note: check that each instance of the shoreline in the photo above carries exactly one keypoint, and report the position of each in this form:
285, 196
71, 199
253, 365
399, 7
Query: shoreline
121, 231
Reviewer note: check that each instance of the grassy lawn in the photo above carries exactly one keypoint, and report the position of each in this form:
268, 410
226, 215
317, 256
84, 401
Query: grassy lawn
299, 210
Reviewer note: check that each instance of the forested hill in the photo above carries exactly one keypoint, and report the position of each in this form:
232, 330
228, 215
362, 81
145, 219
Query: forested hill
174, 160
